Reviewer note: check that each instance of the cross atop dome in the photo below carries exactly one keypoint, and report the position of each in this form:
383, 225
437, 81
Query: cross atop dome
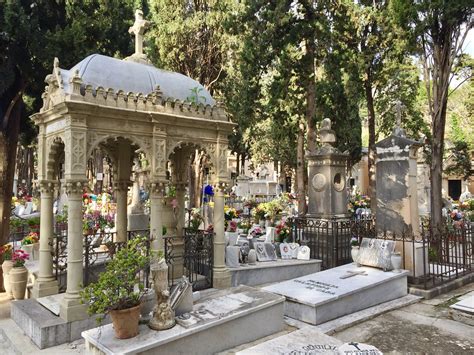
138, 29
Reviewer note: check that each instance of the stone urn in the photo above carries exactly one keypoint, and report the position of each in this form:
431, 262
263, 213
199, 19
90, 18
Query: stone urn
355, 255
18, 279
163, 314
396, 260
6, 268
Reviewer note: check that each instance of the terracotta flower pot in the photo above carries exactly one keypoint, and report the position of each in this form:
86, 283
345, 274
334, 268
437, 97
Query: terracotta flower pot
6, 267
18, 280
125, 322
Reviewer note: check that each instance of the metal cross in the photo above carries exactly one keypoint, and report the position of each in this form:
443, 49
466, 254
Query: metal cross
353, 273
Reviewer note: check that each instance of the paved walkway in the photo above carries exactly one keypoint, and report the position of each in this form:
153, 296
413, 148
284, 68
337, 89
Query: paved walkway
428, 327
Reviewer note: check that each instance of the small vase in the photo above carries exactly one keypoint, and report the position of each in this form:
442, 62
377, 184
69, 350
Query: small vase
125, 322
252, 257
355, 255
396, 260
28, 248
18, 279
6, 267
36, 247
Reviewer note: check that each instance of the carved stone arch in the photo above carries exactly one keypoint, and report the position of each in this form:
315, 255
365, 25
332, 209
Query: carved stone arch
55, 151
94, 140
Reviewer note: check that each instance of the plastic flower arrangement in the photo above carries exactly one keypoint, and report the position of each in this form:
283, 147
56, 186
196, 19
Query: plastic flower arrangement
255, 231
250, 203
230, 213
358, 201
31, 238
19, 258
354, 242
196, 219
282, 230
259, 212
6, 250
232, 226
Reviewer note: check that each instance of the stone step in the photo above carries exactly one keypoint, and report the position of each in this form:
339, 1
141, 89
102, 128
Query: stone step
333, 293
273, 271
219, 320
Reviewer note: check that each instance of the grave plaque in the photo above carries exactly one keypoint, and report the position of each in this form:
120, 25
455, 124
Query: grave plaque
303, 253
232, 254
181, 297
353, 348
294, 247
376, 253
265, 251
285, 251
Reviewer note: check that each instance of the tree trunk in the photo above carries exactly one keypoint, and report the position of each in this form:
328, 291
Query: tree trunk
300, 170
99, 169
371, 154
237, 167
310, 96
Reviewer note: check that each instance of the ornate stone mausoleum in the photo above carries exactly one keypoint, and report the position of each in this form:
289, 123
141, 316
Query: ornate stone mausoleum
123, 107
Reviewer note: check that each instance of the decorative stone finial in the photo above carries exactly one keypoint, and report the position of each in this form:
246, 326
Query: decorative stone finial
326, 134
138, 29
398, 130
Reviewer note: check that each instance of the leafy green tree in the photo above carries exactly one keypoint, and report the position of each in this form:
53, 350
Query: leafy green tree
461, 160
438, 30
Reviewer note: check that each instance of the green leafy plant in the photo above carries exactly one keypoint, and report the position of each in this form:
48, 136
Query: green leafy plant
119, 287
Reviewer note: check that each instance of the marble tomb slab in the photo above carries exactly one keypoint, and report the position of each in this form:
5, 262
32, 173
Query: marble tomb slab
215, 324
52, 302
465, 305
323, 296
306, 340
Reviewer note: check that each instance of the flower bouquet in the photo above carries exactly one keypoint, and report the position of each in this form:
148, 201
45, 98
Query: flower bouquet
282, 231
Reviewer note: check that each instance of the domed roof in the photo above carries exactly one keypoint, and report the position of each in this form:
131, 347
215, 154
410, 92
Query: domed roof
99, 70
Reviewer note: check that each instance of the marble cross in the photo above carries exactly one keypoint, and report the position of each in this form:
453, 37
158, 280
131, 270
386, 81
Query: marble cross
353, 273
138, 29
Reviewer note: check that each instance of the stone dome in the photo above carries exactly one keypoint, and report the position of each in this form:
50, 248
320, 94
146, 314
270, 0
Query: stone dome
99, 70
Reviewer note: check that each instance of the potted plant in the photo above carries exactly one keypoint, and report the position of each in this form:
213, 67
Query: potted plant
19, 274
118, 291
30, 244
6, 252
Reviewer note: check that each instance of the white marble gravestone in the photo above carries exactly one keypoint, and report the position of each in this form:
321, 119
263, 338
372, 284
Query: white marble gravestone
270, 234
323, 296
376, 253
232, 254
303, 253
294, 247
285, 251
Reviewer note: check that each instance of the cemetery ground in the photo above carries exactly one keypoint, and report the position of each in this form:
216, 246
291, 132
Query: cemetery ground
427, 326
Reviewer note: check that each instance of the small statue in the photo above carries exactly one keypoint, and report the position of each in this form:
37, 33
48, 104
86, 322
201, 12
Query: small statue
163, 314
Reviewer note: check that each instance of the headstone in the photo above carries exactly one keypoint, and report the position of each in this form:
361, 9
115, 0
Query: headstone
265, 251
303, 253
231, 238
376, 253
396, 180
181, 297
232, 254
285, 251
252, 257
294, 247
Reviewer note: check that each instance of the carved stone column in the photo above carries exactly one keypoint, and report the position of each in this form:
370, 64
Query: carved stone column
221, 275
46, 284
71, 308
156, 215
180, 191
121, 190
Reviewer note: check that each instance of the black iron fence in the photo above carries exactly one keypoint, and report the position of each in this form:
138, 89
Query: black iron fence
191, 256
432, 257
99, 248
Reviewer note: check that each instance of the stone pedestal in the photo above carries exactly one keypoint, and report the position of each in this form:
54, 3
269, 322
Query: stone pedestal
327, 177
221, 275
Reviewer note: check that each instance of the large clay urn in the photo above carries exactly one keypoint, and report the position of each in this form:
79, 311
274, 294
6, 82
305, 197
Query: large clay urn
18, 279
6, 267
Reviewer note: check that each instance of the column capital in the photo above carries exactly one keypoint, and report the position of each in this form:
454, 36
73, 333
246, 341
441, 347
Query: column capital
122, 185
47, 186
75, 186
158, 187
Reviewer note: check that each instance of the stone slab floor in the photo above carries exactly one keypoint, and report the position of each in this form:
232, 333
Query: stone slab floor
428, 327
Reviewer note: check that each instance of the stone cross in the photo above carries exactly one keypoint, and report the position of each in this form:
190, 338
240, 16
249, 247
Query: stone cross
398, 108
353, 273
138, 29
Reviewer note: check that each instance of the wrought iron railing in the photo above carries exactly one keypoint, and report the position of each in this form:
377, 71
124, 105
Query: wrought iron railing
191, 256
432, 257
